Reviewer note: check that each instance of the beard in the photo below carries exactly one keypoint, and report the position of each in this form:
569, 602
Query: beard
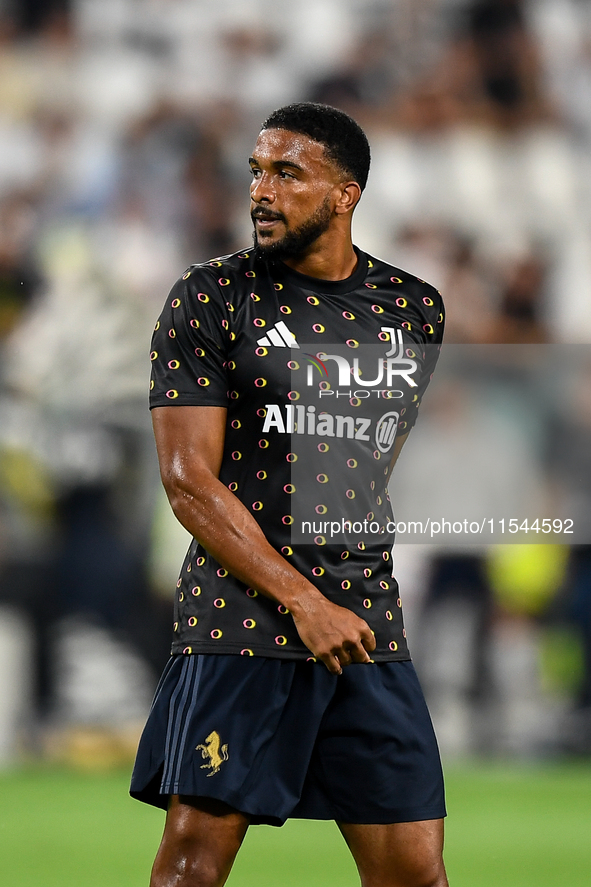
296, 241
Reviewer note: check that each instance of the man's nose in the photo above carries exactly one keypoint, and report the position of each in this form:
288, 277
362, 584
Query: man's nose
261, 190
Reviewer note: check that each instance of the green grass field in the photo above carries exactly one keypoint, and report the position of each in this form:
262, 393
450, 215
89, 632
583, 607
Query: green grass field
514, 826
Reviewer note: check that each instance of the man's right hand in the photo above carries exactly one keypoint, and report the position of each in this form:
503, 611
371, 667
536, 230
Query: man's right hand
333, 634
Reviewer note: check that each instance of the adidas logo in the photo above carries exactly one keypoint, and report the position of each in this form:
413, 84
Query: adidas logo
280, 336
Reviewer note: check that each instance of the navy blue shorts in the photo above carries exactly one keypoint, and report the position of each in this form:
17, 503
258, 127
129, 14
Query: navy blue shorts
280, 738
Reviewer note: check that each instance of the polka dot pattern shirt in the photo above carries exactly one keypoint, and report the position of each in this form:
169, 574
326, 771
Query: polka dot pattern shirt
308, 434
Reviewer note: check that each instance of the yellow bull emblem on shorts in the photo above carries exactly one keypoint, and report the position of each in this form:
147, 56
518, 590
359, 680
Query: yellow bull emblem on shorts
215, 751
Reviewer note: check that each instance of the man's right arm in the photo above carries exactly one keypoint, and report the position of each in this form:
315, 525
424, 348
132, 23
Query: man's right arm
190, 442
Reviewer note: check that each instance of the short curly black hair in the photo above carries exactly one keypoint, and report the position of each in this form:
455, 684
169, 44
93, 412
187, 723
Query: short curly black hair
344, 141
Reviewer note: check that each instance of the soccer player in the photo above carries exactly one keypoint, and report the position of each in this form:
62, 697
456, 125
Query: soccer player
290, 691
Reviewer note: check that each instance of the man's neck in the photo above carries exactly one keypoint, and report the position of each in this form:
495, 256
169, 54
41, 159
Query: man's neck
326, 264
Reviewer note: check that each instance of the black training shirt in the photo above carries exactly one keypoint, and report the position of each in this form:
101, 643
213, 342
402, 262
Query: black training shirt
318, 378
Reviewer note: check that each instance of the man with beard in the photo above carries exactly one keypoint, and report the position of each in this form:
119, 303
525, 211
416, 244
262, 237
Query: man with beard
290, 691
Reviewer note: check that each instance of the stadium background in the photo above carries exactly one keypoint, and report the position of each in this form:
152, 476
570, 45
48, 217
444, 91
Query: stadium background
124, 128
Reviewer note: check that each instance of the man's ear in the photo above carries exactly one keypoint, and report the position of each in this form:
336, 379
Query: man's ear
349, 198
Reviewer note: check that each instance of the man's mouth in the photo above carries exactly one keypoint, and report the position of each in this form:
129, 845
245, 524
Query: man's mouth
266, 220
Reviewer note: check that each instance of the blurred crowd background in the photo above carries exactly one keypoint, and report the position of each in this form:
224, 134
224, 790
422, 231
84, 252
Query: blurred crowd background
125, 128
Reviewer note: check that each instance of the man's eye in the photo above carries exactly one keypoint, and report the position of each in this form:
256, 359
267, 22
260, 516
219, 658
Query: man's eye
255, 172
285, 175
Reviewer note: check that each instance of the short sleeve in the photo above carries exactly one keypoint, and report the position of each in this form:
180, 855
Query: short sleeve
433, 328
190, 345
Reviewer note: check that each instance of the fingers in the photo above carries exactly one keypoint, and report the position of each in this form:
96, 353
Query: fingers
335, 661
332, 663
359, 654
351, 652
338, 664
336, 636
368, 639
